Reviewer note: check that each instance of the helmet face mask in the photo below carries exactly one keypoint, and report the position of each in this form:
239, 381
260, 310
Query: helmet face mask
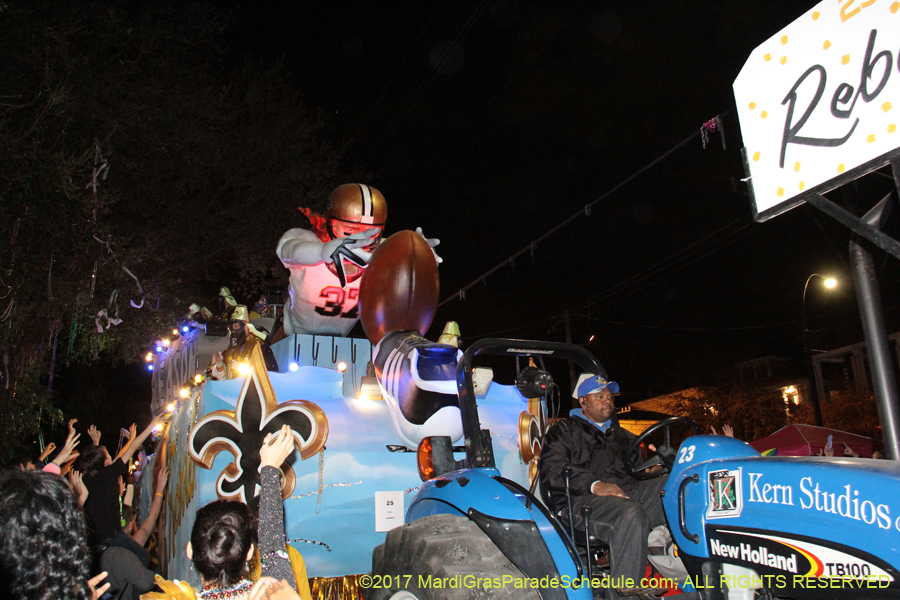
339, 228
352, 208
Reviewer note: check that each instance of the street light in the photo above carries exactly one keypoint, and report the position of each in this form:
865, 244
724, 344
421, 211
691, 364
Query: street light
830, 283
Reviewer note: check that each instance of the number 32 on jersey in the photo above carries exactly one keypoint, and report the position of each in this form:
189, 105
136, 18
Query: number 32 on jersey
339, 302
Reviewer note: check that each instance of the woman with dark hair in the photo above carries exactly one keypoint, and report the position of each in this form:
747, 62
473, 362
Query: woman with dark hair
223, 539
43, 550
222, 543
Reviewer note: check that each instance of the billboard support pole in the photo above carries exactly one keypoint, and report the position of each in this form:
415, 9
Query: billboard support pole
884, 382
857, 225
870, 309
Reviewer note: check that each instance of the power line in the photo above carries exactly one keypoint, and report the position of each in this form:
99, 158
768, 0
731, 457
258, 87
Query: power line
473, 18
585, 212
491, 101
636, 283
397, 72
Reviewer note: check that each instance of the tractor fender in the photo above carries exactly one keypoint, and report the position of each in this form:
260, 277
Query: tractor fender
528, 535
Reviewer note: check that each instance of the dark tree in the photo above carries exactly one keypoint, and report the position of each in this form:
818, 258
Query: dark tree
134, 166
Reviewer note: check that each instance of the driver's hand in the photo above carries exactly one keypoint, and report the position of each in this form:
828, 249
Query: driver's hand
607, 489
652, 449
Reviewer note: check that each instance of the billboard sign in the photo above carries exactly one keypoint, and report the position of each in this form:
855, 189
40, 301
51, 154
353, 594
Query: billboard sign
819, 102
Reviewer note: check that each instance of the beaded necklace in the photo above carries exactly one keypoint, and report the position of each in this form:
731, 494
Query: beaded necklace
210, 592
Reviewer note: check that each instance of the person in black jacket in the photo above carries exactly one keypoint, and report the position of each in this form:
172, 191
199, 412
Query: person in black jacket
593, 446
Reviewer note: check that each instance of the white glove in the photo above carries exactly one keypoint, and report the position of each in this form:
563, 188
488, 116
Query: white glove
353, 243
432, 242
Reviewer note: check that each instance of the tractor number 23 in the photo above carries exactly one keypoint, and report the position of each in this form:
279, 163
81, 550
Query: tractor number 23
686, 454
334, 302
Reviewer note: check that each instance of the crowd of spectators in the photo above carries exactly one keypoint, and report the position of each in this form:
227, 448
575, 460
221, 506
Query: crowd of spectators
69, 529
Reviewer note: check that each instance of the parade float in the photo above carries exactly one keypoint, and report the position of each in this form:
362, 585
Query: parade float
358, 411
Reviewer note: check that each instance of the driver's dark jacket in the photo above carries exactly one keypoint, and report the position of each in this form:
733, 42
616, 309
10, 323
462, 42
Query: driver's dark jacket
591, 454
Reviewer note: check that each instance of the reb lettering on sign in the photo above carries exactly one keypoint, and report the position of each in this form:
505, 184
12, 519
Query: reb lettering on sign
843, 94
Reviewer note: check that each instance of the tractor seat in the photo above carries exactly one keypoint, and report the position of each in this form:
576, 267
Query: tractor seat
599, 548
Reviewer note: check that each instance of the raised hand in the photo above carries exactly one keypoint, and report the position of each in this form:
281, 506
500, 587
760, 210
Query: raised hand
94, 434
47, 450
276, 448
848, 451
68, 449
81, 491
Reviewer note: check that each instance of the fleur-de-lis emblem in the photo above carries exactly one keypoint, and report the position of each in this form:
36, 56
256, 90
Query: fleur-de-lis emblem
241, 432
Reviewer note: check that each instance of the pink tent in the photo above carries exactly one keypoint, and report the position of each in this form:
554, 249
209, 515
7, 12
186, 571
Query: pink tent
807, 440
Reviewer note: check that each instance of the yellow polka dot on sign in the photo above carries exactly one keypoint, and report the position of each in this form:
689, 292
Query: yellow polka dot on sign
756, 156
767, 57
841, 168
845, 59
892, 128
780, 192
870, 138
826, 45
797, 166
802, 185
783, 59
763, 114
815, 16
886, 106
894, 7
783, 40
752, 105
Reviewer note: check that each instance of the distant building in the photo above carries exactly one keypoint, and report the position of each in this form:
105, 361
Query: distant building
848, 368
844, 369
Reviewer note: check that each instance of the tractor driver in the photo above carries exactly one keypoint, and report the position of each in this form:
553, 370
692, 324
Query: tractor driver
623, 510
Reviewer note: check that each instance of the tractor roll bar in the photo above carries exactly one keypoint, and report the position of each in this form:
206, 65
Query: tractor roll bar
478, 452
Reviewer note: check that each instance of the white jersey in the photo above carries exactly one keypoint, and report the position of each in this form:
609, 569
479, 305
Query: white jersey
318, 304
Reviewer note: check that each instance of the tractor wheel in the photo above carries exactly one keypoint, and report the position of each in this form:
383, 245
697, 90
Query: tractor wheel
443, 557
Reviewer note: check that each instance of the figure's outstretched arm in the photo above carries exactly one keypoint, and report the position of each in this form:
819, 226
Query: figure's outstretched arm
296, 250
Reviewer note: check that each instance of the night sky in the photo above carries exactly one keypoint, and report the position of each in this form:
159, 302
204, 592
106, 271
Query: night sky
488, 124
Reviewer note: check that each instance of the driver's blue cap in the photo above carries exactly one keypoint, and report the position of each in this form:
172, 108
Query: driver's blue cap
596, 384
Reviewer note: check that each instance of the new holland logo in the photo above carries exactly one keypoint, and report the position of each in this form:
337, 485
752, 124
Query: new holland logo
725, 497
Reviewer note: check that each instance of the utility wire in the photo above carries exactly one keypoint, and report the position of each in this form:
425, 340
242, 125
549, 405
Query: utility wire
585, 212
491, 101
397, 72
610, 298
473, 18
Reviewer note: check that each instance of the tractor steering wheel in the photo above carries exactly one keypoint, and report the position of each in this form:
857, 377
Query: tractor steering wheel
665, 454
